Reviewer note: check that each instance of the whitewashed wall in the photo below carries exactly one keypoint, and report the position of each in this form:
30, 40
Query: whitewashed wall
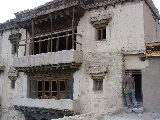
126, 34
7, 93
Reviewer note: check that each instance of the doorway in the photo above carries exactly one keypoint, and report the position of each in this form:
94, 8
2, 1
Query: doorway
138, 84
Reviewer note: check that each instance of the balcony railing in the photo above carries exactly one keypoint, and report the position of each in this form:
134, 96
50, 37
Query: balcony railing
63, 104
52, 58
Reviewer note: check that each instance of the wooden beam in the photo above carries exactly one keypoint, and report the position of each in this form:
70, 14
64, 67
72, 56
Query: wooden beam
153, 44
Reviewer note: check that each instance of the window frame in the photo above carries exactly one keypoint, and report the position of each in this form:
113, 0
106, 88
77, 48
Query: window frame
13, 84
51, 90
101, 34
97, 87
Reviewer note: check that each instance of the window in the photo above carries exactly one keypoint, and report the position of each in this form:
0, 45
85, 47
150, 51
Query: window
98, 84
52, 89
13, 39
101, 34
14, 48
13, 84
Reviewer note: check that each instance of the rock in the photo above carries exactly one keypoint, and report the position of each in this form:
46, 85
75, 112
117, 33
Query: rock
140, 115
128, 110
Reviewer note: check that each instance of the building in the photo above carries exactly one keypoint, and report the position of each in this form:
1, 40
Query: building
69, 57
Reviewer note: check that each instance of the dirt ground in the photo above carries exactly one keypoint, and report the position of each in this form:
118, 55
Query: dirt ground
118, 116
134, 116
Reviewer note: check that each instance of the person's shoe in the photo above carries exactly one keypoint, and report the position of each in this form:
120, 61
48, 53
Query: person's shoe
136, 107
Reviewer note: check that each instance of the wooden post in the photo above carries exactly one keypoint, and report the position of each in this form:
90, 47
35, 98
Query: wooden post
48, 45
57, 43
67, 40
66, 89
42, 89
26, 44
40, 45
32, 48
50, 90
51, 29
58, 89
17, 46
73, 30
49, 41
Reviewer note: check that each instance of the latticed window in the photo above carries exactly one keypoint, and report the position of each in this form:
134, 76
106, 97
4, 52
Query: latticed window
52, 89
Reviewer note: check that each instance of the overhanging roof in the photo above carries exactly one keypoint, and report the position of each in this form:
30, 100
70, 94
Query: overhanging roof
45, 9
60, 5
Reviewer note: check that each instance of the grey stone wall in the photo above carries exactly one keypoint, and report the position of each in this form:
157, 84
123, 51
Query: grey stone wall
151, 85
111, 95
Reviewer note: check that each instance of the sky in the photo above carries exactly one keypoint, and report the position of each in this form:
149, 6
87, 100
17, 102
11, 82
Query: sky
9, 7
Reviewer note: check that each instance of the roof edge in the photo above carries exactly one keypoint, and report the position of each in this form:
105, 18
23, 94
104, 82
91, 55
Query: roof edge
153, 7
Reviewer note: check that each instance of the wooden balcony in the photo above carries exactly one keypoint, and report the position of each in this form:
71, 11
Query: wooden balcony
60, 59
48, 108
62, 104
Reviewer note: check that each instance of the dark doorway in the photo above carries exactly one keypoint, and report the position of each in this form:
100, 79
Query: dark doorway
138, 84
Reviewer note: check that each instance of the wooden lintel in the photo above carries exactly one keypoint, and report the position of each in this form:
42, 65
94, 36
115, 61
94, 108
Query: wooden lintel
49, 68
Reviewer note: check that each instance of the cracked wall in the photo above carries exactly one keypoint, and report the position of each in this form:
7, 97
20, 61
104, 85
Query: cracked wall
150, 86
150, 25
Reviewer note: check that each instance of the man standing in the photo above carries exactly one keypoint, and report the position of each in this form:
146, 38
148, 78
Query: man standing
130, 83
